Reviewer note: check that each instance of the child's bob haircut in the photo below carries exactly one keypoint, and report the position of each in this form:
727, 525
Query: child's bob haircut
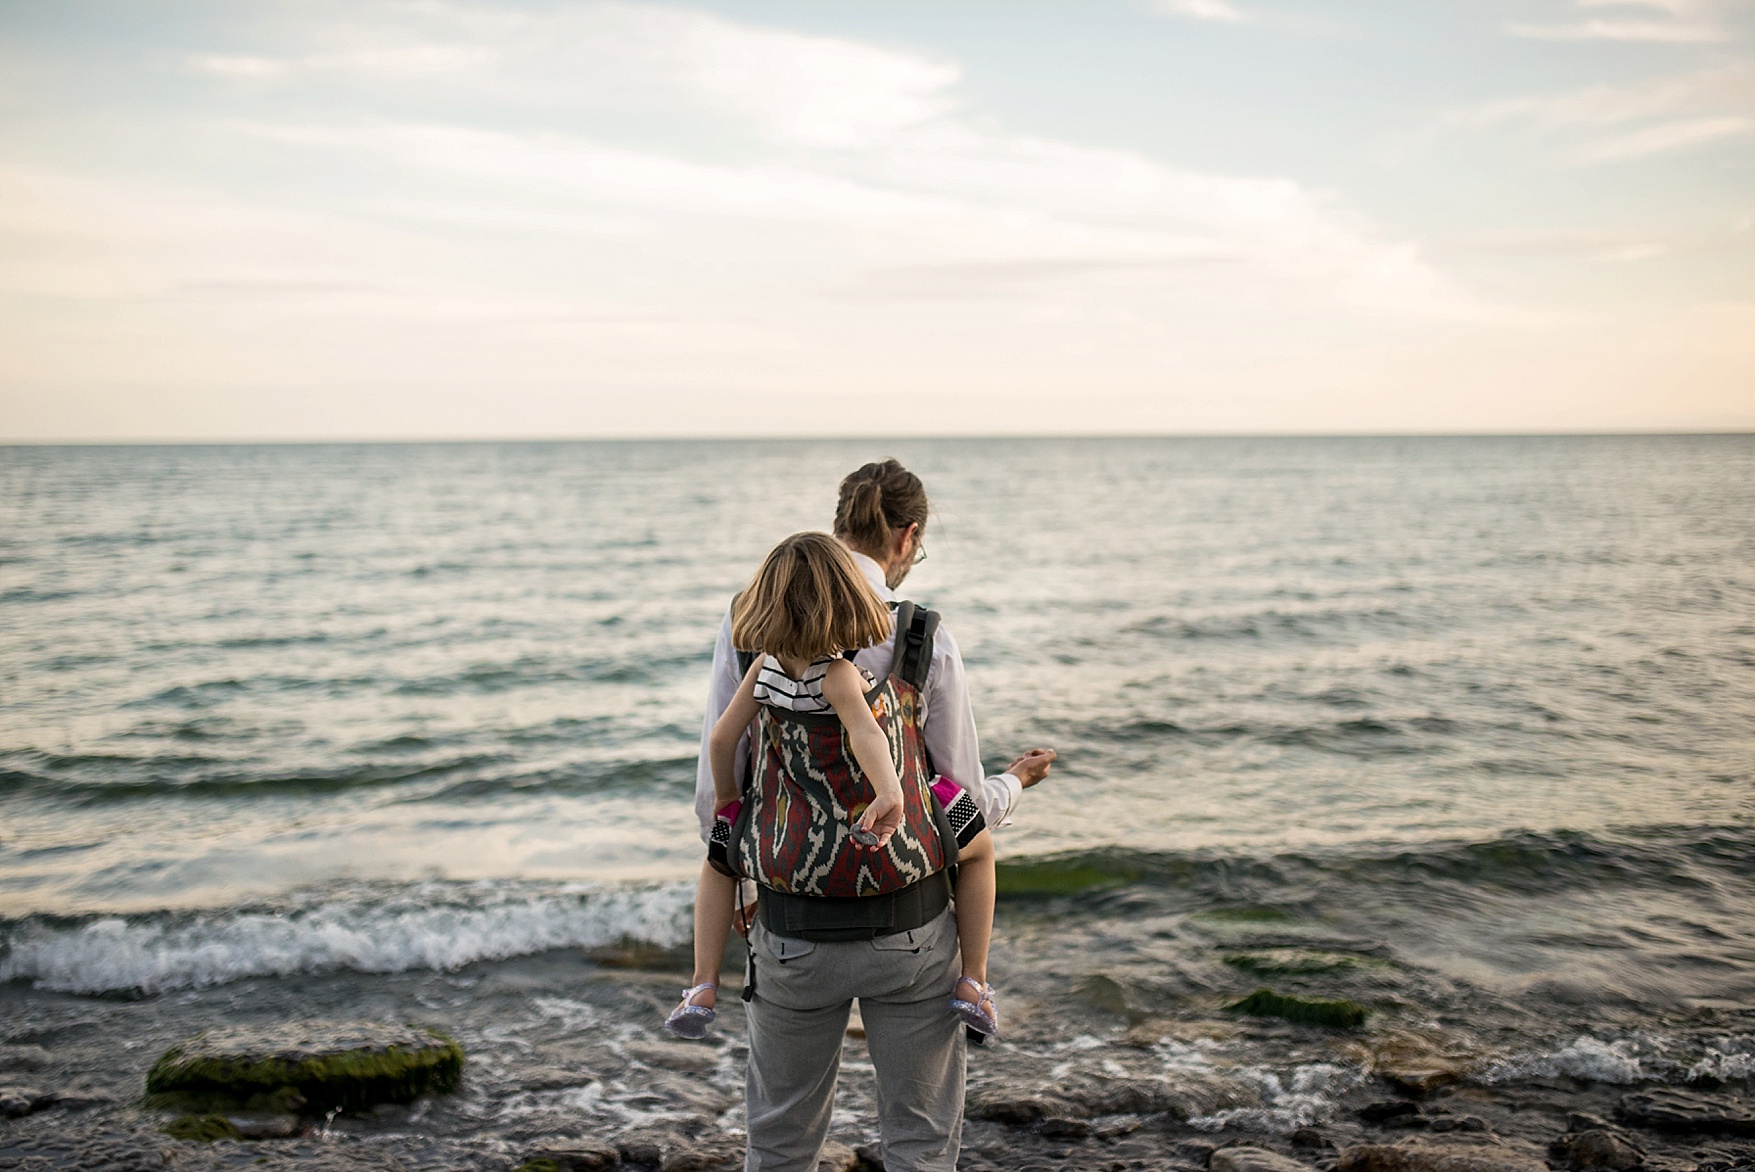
808, 600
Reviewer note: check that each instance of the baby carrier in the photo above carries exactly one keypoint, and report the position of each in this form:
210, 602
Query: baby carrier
804, 791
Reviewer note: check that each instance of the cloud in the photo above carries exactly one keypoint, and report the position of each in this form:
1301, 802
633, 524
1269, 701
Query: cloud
1659, 21
1666, 136
1654, 116
1222, 11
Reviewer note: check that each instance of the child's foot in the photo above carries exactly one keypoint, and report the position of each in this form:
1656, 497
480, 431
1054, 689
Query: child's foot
979, 1012
691, 1019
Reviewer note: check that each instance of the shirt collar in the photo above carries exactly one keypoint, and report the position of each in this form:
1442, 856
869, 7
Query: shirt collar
874, 574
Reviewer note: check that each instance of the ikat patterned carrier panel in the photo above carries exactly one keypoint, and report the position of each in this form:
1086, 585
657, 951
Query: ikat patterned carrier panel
808, 791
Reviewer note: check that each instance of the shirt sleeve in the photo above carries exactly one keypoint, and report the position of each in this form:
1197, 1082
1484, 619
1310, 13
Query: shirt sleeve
720, 690
951, 739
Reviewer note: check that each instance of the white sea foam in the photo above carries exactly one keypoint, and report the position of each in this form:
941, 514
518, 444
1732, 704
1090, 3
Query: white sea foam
1635, 1058
430, 927
1290, 1099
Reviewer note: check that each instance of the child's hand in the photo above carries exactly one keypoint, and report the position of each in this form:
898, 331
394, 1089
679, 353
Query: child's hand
883, 817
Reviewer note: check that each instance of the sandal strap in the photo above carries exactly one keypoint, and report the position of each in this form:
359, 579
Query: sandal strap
689, 994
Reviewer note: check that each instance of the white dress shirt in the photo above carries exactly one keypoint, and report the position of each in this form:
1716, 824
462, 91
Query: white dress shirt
947, 721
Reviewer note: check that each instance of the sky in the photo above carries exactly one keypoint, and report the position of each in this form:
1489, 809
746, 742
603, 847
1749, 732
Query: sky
465, 218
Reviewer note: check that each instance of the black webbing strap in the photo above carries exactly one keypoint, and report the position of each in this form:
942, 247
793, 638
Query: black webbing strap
915, 628
863, 918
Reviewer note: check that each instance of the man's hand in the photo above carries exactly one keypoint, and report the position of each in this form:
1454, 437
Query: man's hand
1032, 767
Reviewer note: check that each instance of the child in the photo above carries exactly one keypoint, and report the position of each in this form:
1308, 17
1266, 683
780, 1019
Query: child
806, 608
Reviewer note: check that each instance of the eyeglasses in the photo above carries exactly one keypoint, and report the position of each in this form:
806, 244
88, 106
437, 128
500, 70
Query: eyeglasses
919, 550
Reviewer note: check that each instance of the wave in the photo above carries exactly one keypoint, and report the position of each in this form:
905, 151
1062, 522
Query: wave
439, 926
1527, 862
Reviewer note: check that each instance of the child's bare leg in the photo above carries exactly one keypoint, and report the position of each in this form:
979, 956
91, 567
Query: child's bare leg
976, 883
714, 896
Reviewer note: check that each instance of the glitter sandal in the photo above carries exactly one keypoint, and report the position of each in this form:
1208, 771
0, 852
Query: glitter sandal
689, 1020
978, 1014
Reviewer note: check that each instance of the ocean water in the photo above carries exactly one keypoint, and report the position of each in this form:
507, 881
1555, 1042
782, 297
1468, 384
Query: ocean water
1460, 724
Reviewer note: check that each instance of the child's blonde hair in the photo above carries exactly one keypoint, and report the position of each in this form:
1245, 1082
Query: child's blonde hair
808, 600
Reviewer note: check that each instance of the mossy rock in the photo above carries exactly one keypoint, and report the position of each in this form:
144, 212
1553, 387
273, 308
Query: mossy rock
539, 1165
1303, 1010
202, 1128
1298, 962
319, 1066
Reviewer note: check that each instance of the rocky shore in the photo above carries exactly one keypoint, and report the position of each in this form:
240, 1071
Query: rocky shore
1384, 1103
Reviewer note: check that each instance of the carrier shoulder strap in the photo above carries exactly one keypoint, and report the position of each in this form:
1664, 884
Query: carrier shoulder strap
915, 628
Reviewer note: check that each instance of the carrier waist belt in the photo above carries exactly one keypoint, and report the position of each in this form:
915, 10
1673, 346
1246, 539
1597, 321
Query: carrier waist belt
864, 918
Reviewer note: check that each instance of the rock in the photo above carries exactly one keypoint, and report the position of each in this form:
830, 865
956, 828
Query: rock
871, 1157
1584, 1121
82, 1100
17, 1102
202, 1128
641, 1150
690, 1058
25, 1058
1387, 1109
1016, 1110
1421, 1080
1309, 1137
1116, 1126
1182, 1097
552, 1078
1303, 1010
1063, 1128
1254, 1160
838, 1157
1668, 1110
724, 1154
577, 1158
1417, 1157
265, 1124
325, 1065
1597, 1148
1457, 1123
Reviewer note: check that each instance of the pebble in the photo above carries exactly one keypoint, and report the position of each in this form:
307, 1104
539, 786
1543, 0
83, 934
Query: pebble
1248, 1159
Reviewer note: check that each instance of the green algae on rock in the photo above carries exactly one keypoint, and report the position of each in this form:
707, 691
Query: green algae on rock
327, 1065
202, 1128
1299, 962
1265, 1002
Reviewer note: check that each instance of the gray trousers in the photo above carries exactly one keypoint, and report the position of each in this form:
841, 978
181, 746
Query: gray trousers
798, 1018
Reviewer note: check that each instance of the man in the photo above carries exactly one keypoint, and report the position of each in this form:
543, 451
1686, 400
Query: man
903, 978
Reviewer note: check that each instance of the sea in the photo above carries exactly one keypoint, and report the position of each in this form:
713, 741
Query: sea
1462, 728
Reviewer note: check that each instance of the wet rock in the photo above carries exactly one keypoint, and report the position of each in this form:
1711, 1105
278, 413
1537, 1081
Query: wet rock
643, 1149
1670, 1110
1585, 1121
265, 1124
723, 1154
1016, 1110
23, 1058
1597, 1147
1421, 1157
838, 1157
1464, 1123
17, 1102
575, 1158
552, 1078
1247, 1159
680, 1056
1182, 1097
202, 1128
1117, 1126
1421, 1080
1309, 1138
82, 1100
1064, 1128
1265, 1002
1387, 1109
350, 1065
871, 1157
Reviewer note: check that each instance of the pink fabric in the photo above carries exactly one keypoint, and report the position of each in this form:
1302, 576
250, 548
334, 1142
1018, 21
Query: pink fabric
946, 790
729, 810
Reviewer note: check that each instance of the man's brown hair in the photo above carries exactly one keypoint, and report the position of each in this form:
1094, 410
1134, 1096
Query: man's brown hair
876, 501
808, 600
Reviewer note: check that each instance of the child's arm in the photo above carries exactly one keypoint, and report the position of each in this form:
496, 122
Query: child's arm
722, 745
844, 688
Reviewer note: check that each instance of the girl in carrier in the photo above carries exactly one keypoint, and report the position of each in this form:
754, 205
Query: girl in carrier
805, 613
